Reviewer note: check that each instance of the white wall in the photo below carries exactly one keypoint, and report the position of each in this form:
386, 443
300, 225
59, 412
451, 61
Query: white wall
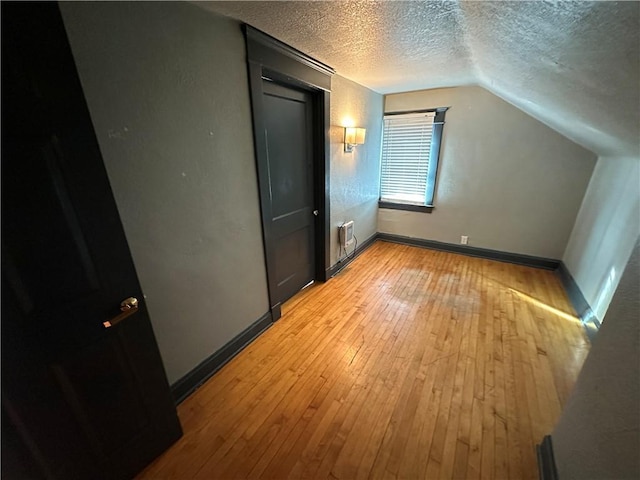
605, 230
166, 85
506, 180
598, 434
355, 176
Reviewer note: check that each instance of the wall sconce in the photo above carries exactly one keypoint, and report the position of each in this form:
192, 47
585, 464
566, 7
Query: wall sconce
353, 136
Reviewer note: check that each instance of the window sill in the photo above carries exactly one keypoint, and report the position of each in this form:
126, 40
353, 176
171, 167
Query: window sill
406, 206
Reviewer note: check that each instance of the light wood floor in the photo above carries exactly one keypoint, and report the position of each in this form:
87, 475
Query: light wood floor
410, 364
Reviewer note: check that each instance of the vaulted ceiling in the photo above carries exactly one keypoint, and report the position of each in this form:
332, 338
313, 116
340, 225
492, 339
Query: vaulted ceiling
573, 65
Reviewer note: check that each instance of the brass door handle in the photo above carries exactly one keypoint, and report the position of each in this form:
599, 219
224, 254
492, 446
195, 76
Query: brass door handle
128, 307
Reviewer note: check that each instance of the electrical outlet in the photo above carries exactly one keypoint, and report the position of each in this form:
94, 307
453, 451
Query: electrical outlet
464, 239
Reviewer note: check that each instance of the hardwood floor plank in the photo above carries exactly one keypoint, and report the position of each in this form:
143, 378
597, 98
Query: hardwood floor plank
514, 437
411, 363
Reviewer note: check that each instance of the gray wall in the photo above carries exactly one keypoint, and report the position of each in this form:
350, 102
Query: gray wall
605, 230
167, 90
506, 180
355, 176
598, 434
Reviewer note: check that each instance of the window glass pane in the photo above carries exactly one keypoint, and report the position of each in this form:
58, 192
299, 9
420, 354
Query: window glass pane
406, 152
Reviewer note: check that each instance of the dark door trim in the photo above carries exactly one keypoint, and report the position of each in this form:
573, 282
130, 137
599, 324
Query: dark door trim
271, 59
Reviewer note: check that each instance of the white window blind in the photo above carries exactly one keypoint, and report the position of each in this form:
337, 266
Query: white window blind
406, 155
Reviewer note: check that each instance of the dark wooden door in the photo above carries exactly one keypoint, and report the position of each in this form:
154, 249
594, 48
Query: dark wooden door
288, 115
79, 399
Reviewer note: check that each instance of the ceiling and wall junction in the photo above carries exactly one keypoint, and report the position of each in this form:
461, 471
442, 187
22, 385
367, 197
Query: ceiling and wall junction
572, 65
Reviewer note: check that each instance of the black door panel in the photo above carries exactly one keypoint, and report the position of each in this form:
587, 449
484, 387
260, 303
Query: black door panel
85, 401
288, 131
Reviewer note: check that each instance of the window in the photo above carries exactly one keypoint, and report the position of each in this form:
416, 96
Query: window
410, 149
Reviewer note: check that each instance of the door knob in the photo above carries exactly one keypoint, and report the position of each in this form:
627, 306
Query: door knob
128, 307
128, 303
316, 212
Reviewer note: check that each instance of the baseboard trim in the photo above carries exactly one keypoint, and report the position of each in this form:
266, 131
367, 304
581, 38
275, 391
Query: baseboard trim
276, 312
546, 462
573, 291
335, 269
200, 374
589, 320
519, 259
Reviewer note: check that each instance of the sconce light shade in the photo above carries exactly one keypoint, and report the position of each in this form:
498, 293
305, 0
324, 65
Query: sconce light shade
353, 136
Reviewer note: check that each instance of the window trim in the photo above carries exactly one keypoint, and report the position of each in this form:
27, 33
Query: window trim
434, 160
410, 207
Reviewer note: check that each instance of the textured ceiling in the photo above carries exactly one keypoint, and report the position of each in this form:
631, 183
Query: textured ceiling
573, 65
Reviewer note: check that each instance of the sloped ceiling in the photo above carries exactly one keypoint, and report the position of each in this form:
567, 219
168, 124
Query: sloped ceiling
573, 65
